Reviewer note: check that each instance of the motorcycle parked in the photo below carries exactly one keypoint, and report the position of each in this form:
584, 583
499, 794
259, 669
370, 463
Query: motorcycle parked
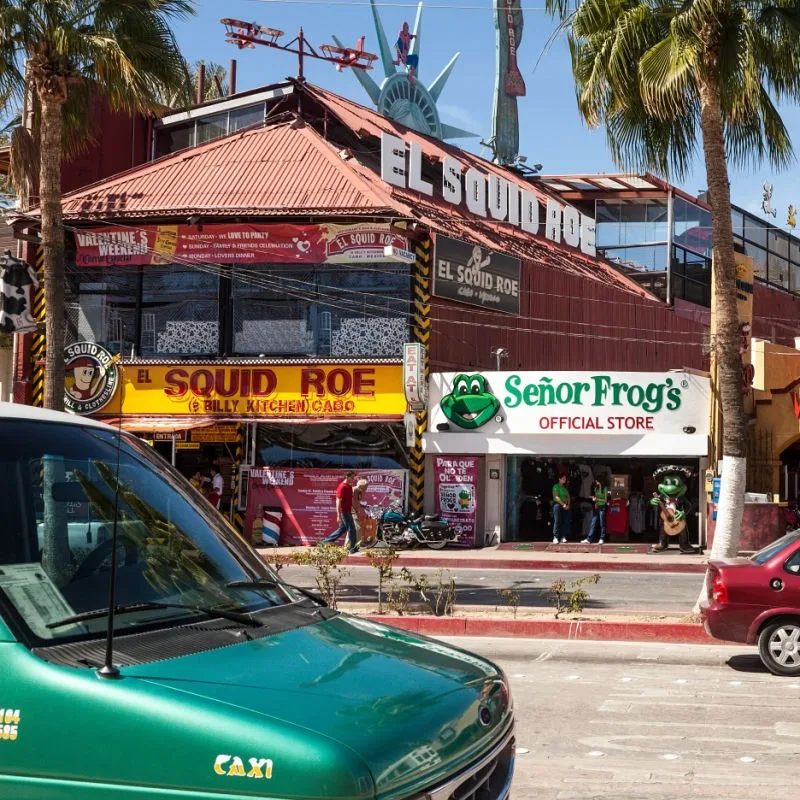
397, 529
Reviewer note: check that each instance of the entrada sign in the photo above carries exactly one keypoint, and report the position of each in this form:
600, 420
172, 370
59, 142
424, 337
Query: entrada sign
489, 196
570, 402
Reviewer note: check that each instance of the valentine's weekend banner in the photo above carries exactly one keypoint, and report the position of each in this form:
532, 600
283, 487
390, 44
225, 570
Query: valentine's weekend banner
148, 245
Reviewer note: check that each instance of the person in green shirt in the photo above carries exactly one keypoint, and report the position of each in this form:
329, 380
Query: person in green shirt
560, 510
600, 500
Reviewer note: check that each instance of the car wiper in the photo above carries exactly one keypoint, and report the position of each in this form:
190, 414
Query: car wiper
265, 583
128, 608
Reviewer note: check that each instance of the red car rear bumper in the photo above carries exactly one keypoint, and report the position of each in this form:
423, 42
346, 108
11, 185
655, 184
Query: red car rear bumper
728, 621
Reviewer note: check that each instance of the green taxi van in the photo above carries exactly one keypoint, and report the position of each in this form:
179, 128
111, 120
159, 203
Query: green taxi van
212, 678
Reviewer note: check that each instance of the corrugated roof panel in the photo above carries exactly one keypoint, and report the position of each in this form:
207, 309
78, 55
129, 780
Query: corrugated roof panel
285, 168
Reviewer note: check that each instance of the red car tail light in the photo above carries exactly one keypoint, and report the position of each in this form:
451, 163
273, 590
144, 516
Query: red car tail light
719, 591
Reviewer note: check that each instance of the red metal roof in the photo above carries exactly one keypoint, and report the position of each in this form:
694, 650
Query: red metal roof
456, 221
283, 169
289, 169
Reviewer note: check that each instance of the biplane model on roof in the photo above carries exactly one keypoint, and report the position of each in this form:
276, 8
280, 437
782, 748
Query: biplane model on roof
349, 56
249, 34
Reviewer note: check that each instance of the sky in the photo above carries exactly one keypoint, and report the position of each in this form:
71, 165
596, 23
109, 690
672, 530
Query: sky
551, 131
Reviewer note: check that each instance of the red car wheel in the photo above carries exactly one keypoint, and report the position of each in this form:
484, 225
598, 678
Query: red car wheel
779, 646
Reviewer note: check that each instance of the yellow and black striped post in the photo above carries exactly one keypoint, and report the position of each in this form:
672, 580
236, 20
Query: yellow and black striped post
422, 334
38, 346
237, 517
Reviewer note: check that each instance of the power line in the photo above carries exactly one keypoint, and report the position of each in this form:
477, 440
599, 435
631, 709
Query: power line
219, 270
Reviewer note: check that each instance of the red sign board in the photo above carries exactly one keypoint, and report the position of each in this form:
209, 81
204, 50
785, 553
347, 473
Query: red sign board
455, 487
236, 244
307, 498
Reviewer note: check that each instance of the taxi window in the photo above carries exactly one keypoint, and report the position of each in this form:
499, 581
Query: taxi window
72, 486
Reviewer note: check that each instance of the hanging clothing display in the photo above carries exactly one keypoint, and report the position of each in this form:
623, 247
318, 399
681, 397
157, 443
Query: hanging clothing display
17, 282
587, 479
637, 512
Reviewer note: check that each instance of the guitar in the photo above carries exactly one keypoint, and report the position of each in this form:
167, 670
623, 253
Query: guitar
672, 526
514, 83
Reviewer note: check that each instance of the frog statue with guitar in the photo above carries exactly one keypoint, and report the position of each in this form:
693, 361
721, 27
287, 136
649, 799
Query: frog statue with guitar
674, 507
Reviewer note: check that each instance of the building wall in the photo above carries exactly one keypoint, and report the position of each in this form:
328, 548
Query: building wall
567, 322
120, 142
777, 376
776, 315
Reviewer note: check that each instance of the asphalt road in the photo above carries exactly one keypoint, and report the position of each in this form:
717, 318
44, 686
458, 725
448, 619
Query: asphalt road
626, 721
646, 591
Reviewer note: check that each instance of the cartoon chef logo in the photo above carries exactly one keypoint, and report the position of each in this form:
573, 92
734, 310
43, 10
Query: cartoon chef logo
91, 376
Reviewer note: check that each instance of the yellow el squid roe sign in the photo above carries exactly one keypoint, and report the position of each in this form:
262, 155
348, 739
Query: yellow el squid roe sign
327, 390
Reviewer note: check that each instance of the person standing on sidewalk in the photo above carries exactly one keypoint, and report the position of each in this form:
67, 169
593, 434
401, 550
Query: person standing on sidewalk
344, 513
560, 510
600, 502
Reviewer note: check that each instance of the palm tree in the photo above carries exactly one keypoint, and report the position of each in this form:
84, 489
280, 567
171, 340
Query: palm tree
657, 72
66, 52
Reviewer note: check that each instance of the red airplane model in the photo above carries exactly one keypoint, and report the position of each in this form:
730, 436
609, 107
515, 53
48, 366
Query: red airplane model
249, 34
349, 57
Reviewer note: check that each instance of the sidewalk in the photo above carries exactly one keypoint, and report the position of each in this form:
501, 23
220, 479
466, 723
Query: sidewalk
586, 558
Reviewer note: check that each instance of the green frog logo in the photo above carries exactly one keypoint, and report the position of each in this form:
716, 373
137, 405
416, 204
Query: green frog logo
471, 403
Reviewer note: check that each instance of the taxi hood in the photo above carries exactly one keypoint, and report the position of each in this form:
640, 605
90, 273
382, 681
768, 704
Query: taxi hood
414, 709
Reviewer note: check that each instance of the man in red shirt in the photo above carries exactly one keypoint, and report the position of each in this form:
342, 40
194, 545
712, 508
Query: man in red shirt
344, 513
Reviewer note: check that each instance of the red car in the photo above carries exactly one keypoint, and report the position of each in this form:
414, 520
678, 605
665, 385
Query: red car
757, 601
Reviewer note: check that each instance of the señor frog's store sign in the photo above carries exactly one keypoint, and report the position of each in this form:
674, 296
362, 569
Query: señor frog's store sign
336, 391
565, 413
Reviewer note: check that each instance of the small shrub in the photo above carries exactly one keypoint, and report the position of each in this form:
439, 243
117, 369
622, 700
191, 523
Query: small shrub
570, 596
511, 597
442, 601
383, 561
329, 575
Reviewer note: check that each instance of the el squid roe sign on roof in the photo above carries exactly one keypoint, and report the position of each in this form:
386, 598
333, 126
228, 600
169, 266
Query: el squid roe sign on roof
486, 195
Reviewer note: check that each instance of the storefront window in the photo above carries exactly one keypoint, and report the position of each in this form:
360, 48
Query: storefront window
348, 312
180, 312
759, 257
755, 230
651, 258
737, 220
778, 271
691, 276
692, 226
244, 117
101, 307
211, 127
607, 223
332, 446
273, 315
174, 138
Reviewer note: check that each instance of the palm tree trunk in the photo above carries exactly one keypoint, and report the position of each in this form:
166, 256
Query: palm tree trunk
53, 246
726, 344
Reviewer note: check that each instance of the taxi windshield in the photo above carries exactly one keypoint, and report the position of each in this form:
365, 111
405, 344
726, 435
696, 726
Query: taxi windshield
66, 485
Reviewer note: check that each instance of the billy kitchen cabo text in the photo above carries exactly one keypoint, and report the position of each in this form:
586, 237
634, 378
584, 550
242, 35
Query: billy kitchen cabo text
497, 441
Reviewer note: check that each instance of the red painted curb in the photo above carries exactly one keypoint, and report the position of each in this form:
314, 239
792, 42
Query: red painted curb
541, 564
664, 632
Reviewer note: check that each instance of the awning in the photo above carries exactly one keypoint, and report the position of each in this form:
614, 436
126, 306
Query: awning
170, 424
163, 424
645, 446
